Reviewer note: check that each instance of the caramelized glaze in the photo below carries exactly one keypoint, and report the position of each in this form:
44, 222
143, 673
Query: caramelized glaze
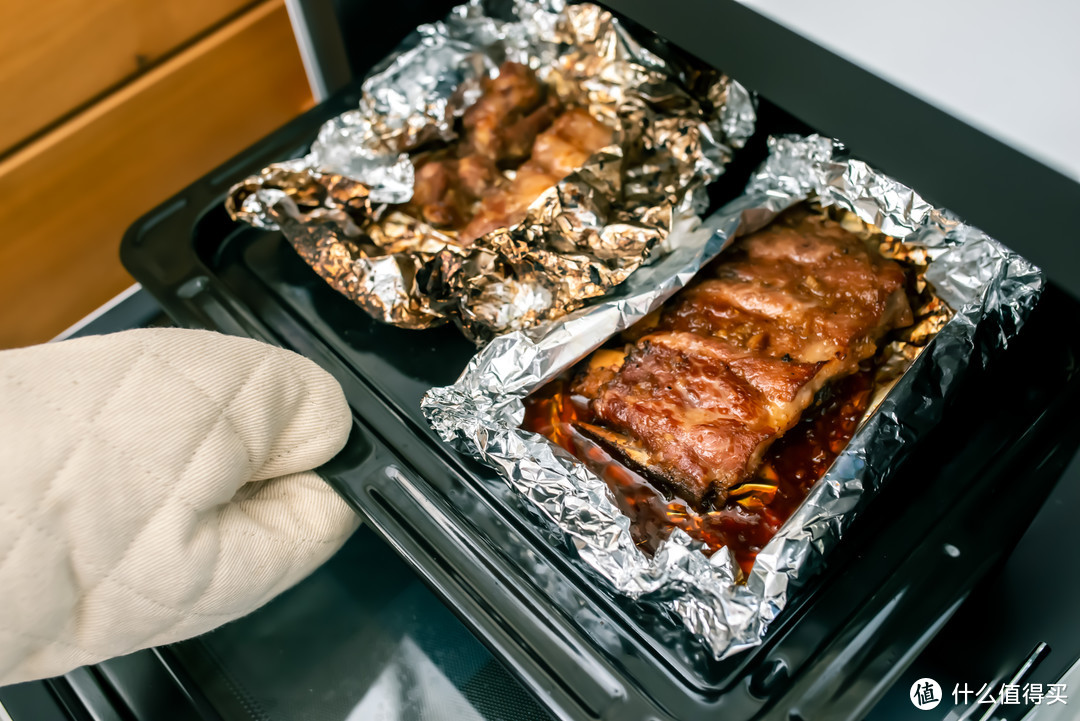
754, 511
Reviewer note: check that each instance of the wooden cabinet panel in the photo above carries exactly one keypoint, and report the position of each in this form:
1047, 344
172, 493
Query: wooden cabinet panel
66, 199
56, 55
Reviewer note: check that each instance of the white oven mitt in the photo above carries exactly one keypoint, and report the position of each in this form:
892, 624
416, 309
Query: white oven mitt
155, 484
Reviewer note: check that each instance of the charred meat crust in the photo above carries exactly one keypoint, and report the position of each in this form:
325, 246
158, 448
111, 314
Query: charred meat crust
733, 360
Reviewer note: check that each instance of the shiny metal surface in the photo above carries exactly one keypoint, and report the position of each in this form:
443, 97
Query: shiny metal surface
975, 711
98, 313
675, 125
322, 50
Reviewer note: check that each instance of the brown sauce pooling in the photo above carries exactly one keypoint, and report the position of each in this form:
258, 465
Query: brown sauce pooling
755, 510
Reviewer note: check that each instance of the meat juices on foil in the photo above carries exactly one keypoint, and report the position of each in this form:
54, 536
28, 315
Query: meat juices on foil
732, 361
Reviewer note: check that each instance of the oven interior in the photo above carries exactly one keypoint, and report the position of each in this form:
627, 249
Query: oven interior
954, 507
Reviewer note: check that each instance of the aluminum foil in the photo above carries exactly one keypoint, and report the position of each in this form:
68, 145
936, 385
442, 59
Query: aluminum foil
675, 124
990, 289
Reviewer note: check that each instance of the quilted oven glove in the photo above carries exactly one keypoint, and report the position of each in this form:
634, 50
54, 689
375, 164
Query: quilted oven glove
155, 484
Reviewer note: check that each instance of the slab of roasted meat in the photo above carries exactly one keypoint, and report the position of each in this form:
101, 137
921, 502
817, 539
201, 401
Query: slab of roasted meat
733, 360
513, 109
516, 124
556, 152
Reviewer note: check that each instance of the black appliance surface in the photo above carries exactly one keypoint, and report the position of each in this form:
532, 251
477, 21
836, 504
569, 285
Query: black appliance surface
582, 650
361, 639
1029, 601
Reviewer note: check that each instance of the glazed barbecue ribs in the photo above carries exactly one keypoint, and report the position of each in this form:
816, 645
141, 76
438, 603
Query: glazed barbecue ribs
731, 362
516, 123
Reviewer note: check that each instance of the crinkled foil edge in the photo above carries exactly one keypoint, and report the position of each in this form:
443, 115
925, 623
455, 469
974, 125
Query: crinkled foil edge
675, 125
991, 289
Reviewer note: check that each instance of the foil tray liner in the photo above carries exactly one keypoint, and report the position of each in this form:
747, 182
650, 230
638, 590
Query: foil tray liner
990, 289
675, 124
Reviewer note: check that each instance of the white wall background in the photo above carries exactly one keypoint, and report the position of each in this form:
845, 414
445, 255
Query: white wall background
1011, 69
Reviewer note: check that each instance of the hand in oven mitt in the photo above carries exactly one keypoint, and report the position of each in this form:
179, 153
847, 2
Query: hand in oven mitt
155, 484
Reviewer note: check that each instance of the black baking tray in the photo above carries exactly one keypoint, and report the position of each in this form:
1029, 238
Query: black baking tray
957, 502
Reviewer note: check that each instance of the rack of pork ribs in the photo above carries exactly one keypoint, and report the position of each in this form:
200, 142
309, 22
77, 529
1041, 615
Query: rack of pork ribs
516, 125
717, 413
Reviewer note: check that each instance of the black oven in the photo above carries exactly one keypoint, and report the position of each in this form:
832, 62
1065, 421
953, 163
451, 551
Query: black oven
450, 603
